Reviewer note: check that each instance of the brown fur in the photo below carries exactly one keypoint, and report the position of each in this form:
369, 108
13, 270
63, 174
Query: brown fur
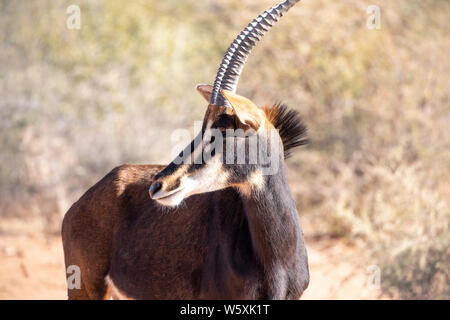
89, 225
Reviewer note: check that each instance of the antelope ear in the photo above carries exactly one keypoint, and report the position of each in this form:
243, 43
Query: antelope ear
205, 90
248, 113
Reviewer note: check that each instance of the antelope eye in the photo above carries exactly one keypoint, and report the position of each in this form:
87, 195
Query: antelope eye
224, 122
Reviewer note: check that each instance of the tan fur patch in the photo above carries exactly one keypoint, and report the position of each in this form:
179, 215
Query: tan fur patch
170, 181
247, 112
255, 182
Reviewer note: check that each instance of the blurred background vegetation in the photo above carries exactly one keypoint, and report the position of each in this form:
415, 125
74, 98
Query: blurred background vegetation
76, 103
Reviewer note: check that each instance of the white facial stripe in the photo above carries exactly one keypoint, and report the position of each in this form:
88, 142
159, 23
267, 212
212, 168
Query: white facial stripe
206, 179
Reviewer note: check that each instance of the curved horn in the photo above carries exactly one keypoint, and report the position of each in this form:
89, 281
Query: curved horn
233, 62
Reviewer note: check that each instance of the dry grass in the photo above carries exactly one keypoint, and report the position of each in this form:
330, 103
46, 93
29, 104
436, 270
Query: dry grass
74, 104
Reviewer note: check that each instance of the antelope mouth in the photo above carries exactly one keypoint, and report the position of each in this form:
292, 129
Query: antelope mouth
166, 194
170, 198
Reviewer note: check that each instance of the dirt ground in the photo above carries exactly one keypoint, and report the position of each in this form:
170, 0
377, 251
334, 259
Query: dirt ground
32, 267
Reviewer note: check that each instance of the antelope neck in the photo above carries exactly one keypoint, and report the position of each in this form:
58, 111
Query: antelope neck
273, 221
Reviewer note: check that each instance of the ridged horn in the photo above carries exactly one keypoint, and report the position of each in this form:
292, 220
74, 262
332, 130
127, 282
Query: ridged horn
233, 62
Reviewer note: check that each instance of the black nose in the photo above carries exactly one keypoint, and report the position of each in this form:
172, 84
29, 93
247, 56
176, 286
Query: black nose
154, 188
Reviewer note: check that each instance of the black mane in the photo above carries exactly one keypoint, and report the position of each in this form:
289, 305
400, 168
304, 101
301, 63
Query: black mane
292, 130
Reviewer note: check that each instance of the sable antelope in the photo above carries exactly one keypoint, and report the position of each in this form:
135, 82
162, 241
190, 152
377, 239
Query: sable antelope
236, 234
